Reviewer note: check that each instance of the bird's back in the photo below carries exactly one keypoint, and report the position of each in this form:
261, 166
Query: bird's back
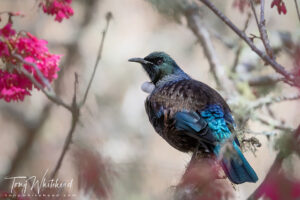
177, 96
187, 94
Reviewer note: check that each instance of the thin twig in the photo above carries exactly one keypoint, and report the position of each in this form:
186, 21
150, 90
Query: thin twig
297, 9
32, 127
51, 96
238, 52
265, 80
261, 24
75, 118
274, 124
108, 18
276, 66
76, 106
268, 100
38, 71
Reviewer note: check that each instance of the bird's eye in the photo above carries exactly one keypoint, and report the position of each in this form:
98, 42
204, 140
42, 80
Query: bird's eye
159, 62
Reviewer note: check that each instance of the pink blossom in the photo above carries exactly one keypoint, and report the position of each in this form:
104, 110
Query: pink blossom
3, 49
60, 8
14, 85
7, 31
280, 6
35, 51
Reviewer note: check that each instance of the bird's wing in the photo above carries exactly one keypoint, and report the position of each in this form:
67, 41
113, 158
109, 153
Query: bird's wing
189, 121
210, 125
194, 125
195, 107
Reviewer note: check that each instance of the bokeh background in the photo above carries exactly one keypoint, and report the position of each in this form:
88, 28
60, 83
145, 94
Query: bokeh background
114, 134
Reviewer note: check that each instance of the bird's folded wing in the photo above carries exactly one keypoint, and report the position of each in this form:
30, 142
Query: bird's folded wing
194, 125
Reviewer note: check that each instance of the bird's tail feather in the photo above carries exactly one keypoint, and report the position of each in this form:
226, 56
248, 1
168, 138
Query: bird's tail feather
237, 168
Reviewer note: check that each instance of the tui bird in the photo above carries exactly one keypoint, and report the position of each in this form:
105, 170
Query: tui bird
191, 116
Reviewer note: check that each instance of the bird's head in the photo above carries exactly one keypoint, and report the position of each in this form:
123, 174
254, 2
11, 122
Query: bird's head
158, 65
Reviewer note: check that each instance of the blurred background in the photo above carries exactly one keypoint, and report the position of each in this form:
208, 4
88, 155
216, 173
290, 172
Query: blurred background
114, 141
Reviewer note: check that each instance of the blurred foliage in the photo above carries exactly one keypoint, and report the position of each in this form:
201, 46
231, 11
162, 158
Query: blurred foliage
172, 9
284, 144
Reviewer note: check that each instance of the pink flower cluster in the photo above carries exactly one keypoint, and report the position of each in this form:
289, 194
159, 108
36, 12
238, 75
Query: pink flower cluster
13, 84
280, 6
60, 8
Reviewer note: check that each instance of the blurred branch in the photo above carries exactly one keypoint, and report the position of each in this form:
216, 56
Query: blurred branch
262, 27
108, 18
76, 106
38, 71
90, 7
297, 9
290, 79
269, 100
274, 124
32, 127
265, 80
191, 13
75, 117
238, 52
277, 164
228, 43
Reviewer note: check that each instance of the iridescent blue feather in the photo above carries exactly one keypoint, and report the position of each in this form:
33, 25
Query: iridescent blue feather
235, 166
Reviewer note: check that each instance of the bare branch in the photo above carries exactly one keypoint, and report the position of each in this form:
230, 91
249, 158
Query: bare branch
265, 80
276, 66
75, 118
274, 124
262, 27
108, 18
32, 127
270, 100
75, 109
31, 131
297, 9
238, 52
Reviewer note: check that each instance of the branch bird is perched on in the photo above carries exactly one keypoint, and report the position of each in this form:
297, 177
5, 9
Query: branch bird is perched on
191, 116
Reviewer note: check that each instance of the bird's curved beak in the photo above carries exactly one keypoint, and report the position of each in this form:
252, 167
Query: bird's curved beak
140, 60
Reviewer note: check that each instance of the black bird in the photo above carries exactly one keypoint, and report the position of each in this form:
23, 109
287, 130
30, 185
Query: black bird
191, 116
